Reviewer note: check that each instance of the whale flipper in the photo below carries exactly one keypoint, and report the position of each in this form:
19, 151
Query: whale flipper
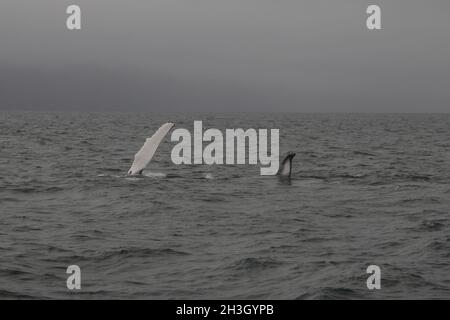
145, 154
286, 165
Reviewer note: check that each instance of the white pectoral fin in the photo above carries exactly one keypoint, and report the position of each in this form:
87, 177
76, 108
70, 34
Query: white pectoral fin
146, 153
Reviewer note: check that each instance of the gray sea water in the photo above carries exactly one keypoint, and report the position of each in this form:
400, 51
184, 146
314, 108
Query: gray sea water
365, 189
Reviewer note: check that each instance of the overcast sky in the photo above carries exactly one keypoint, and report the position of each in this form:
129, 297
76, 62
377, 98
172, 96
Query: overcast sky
225, 55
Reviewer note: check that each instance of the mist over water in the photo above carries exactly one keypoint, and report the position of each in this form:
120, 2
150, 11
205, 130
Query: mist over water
365, 189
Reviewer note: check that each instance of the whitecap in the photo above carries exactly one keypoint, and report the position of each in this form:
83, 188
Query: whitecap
154, 174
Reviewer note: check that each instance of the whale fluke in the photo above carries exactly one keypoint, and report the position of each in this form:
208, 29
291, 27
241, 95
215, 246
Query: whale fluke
286, 165
145, 154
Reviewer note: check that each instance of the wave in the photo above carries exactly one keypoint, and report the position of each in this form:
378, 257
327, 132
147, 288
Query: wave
142, 252
432, 225
36, 189
329, 293
250, 264
5, 294
364, 153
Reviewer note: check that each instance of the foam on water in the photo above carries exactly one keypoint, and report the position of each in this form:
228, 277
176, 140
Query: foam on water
151, 174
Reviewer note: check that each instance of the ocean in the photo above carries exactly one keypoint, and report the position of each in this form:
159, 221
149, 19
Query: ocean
366, 189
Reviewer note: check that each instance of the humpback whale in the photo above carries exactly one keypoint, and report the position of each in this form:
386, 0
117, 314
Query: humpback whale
286, 165
145, 154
